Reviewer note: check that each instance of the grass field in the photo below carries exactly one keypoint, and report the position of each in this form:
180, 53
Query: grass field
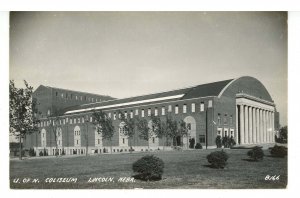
183, 169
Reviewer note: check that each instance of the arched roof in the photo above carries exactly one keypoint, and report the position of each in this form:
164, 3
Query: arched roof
246, 85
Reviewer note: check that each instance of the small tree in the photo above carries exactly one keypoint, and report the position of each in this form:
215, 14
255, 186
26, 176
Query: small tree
171, 128
159, 128
183, 130
103, 125
225, 141
219, 141
22, 112
144, 130
232, 142
192, 143
129, 127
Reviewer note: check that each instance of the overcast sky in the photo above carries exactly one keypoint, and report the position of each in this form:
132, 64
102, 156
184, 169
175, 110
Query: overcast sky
124, 54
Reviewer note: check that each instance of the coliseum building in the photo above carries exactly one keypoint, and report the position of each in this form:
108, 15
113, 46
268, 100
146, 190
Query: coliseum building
241, 108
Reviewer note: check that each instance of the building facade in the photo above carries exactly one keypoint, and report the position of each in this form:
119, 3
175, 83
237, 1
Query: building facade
240, 108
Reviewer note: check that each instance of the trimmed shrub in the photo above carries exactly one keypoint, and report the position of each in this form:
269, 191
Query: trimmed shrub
218, 159
232, 142
279, 151
32, 152
219, 141
256, 153
41, 153
198, 146
56, 153
192, 143
45, 152
63, 152
148, 168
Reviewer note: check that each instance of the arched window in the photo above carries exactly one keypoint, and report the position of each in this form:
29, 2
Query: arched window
59, 137
123, 139
77, 137
43, 138
153, 139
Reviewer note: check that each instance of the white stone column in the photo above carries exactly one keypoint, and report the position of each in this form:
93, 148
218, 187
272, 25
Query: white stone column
246, 125
242, 127
265, 125
273, 127
257, 126
250, 126
254, 125
269, 128
261, 131
236, 125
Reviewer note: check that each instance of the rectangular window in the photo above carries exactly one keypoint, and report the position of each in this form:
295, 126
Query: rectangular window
115, 116
202, 138
92, 99
119, 115
56, 94
163, 111
91, 119
155, 111
80, 97
125, 114
143, 113
98, 141
74, 120
136, 112
62, 95
202, 106
131, 114
184, 108
210, 103
225, 119
193, 107
78, 120
231, 120
109, 115
232, 133
176, 109
123, 141
64, 121
219, 119
76, 97
82, 119
71, 121
170, 108
149, 112
77, 141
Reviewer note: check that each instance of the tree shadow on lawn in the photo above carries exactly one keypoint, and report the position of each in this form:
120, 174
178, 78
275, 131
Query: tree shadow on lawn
213, 167
251, 160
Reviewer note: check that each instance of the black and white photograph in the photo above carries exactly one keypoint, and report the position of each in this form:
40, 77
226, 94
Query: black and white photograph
148, 100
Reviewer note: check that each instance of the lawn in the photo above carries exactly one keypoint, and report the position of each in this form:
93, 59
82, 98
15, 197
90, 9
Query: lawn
183, 169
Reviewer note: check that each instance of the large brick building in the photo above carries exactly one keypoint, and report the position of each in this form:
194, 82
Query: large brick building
241, 108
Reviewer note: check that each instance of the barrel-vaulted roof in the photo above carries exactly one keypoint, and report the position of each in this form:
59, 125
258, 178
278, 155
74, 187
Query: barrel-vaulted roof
204, 90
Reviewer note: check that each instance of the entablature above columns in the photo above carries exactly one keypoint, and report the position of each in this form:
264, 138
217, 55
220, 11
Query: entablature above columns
255, 104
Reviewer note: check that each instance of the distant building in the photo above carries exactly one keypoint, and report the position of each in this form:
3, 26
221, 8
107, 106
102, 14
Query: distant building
240, 108
51, 100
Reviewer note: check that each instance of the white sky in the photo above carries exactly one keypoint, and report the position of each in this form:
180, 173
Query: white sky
124, 54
